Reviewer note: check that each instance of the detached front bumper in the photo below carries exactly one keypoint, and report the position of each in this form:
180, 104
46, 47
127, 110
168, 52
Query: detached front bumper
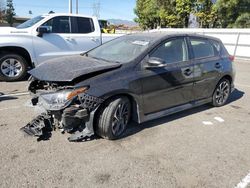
76, 119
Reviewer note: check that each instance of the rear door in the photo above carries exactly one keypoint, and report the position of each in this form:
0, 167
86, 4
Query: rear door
207, 66
85, 36
165, 87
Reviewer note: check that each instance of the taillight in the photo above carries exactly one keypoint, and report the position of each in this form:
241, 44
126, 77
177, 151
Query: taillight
231, 57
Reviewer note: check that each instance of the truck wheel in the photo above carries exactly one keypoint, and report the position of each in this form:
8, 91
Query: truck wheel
221, 93
113, 118
13, 67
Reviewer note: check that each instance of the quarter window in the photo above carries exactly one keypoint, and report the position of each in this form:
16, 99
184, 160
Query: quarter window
172, 51
60, 24
202, 48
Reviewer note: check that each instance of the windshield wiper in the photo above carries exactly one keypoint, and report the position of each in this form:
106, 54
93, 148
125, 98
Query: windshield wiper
84, 54
97, 58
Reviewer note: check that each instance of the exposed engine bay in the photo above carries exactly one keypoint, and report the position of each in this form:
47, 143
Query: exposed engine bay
65, 108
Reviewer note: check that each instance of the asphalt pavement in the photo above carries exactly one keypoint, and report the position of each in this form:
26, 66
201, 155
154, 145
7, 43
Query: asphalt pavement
201, 147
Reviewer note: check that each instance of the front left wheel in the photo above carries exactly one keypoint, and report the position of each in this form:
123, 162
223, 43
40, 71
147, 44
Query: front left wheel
113, 118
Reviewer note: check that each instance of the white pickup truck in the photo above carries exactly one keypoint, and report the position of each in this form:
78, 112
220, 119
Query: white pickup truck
45, 37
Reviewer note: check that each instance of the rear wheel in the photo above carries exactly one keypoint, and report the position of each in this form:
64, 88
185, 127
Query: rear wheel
13, 67
221, 93
114, 117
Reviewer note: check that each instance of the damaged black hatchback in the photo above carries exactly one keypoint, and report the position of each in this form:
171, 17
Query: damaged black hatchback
136, 77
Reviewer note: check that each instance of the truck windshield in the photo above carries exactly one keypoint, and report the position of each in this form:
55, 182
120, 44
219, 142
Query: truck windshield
122, 50
30, 22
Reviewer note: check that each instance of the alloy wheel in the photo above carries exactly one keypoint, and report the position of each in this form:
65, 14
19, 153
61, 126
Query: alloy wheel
222, 92
11, 67
120, 119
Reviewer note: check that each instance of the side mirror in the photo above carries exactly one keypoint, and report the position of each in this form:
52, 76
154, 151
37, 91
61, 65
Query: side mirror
42, 29
155, 63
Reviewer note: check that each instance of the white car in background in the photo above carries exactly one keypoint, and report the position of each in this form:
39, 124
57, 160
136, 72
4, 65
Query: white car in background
45, 37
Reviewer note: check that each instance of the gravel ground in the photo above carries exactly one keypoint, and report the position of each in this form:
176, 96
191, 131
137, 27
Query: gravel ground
175, 151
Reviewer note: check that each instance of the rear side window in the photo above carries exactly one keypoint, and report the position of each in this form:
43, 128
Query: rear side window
83, 25
172, 51
221, 50
202, 48
60, 24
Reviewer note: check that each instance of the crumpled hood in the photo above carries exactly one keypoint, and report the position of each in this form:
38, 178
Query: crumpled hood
66, 69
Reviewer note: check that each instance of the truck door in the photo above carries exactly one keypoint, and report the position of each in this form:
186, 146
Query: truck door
57, 42
86, 34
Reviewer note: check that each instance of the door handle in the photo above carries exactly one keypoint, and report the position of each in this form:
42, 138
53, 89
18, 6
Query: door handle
188, 72
217, 65
68, 39
94, 39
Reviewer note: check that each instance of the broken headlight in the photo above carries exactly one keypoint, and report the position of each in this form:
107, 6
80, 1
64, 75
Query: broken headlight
59, 100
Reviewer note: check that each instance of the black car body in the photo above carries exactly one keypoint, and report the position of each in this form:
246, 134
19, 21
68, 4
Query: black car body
156, 73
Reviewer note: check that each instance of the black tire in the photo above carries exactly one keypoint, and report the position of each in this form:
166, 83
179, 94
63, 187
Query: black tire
107, 125
221, 93
18, 60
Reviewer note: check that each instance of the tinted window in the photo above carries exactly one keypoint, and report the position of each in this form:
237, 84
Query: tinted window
83, 25
216, 45
219, 48
202, 48
172, 51
60, 24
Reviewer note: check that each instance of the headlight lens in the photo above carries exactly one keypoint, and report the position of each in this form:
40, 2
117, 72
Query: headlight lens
59, 100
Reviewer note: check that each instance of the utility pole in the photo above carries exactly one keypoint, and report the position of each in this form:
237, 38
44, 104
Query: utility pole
96, 9
76, 6
70, 6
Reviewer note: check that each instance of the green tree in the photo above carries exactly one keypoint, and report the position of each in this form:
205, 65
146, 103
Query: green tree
164, 13
168, 15
243, 21
146, 11
10, 12
206, 13
230, 10
183, 10
2, 11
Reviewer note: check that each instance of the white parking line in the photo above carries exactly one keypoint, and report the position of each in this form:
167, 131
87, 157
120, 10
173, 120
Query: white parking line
207, 123
11, 108
244, 182
14, 94
219, 119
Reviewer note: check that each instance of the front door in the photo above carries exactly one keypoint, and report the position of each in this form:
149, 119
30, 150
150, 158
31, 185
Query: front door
171, 85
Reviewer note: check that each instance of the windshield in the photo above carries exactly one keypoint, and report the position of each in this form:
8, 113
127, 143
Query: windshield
122, 50
30, 22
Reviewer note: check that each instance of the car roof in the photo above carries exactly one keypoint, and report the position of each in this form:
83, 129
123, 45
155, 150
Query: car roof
162, 35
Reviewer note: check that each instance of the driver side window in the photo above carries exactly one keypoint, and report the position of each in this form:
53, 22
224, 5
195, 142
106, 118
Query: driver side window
172, 51
60, 24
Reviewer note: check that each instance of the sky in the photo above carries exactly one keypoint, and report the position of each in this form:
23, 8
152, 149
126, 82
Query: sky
109, 9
